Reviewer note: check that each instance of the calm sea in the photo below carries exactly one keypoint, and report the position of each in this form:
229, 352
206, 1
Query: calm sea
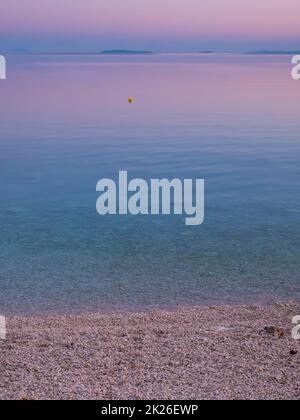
65, 122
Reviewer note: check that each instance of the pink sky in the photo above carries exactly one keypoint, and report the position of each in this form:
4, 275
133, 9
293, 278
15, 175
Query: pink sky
157, 24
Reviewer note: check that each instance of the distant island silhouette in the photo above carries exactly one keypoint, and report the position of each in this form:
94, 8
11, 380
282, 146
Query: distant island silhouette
20, 51
270, 52
125, 52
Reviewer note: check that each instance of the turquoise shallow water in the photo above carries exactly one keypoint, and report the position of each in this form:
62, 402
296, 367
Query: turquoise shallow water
66, 123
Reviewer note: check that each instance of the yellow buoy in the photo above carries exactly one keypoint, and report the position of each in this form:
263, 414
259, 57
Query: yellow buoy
130, 99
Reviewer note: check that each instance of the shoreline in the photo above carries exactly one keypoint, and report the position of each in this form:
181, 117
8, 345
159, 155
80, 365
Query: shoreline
219, 352
146, 309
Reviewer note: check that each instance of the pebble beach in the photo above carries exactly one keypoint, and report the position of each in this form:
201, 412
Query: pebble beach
228, 352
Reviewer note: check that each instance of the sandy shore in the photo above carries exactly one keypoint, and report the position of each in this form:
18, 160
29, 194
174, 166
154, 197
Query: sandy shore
199, 353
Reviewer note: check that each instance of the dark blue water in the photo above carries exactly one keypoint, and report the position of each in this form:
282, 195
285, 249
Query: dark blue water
66, 123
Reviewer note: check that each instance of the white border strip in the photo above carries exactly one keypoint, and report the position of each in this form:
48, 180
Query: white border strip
2, 328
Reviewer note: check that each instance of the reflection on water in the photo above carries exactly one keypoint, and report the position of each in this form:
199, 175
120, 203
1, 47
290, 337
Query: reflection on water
66, 122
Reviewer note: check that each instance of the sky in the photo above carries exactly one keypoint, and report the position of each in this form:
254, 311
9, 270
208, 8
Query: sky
157, 25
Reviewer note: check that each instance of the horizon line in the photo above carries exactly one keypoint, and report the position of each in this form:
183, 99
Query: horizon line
144, 52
